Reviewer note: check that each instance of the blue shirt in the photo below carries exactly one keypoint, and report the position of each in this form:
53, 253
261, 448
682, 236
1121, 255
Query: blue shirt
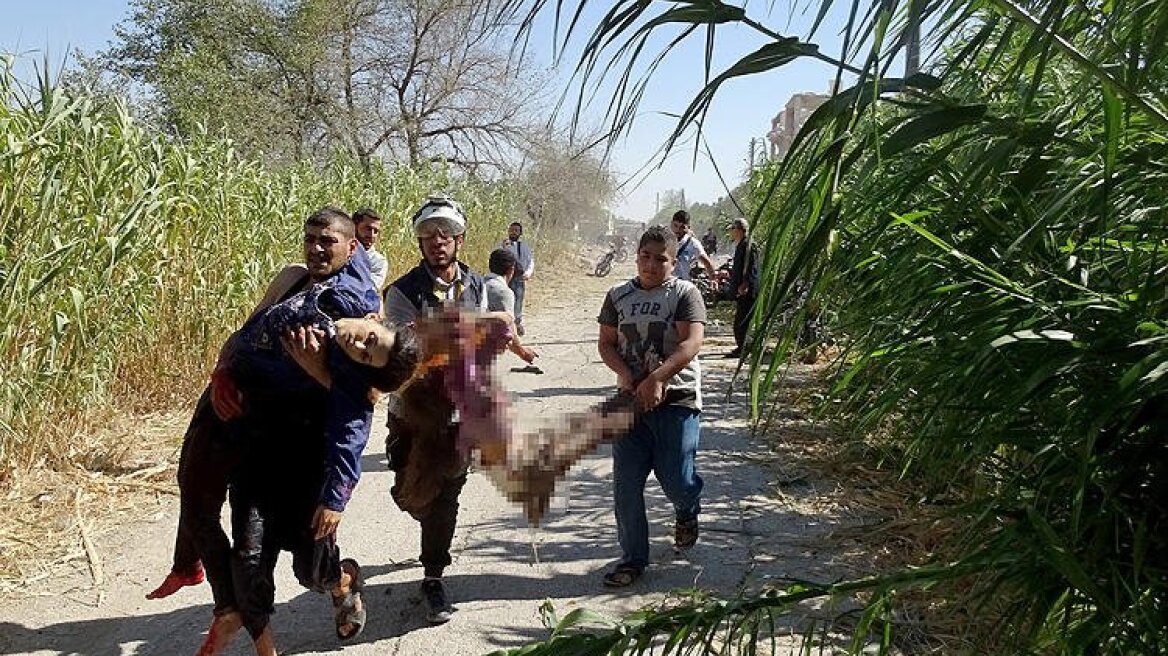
259, 363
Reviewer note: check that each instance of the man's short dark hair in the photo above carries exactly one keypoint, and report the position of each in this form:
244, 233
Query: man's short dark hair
331, 216
518, 225
660, 235
365, 214
681, 216
501, 261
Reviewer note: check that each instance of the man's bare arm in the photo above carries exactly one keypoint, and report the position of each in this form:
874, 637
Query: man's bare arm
707, 264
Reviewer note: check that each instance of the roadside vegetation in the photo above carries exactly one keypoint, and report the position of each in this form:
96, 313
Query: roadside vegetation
127, 257
986, 238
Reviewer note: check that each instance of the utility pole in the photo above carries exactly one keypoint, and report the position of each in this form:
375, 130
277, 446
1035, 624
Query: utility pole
912, 54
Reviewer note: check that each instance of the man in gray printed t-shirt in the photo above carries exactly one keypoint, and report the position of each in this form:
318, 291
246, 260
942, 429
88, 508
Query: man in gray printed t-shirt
651, 330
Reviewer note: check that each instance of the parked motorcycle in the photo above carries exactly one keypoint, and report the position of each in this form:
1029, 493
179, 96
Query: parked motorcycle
604, 264
712, 286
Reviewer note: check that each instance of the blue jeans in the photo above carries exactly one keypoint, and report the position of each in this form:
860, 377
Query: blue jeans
665, 442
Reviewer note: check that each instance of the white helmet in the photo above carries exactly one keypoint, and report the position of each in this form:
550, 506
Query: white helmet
442, 212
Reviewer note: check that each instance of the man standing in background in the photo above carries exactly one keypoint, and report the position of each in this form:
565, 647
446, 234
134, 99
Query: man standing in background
368, 230
689, 249
710, 241
500, 298
524, 267
743, 282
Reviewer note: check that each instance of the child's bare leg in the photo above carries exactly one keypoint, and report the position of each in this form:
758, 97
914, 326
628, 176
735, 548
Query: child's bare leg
176, 580
223, 629
265, 645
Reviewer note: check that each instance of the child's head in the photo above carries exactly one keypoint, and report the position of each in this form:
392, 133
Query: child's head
389, 354
656, 255
501, 262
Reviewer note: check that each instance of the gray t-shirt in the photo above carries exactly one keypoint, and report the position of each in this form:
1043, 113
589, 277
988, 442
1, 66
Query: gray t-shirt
645, 320
500, 298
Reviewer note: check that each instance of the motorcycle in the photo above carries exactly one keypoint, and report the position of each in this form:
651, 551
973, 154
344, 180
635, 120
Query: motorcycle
712, 287
604, 264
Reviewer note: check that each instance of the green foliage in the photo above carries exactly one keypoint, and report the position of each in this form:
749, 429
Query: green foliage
121, 250
991, 240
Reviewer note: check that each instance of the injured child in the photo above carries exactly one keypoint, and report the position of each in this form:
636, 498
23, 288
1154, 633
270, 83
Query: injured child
459, 350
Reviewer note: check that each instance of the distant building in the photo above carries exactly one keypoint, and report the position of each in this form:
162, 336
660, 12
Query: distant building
787, 123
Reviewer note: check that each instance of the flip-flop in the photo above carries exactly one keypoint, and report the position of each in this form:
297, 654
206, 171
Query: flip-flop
346, 612
623, 576
529, 369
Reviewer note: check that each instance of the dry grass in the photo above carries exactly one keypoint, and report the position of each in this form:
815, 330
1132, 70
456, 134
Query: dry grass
899, 527
121, 471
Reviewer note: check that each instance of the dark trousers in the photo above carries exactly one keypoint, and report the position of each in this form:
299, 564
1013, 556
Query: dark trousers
518, 286
261, 530
439, 517
274, 493
743, 308
209, 455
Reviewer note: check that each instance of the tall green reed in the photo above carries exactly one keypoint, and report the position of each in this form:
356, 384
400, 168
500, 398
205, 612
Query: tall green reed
990, 238
126, 258
995, 255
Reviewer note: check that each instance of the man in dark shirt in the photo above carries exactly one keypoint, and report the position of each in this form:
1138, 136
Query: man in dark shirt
743, 282
440, 279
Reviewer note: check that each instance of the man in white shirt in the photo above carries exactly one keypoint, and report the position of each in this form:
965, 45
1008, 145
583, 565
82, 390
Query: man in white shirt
368, 229
689, 248
525, 267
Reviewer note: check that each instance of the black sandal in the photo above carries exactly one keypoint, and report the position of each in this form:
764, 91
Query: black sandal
623, 576
346, 612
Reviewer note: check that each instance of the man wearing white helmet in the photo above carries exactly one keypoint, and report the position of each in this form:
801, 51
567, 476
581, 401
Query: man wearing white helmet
439, 279
440, 227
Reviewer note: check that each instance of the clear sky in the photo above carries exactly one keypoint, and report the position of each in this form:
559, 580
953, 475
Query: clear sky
742, 110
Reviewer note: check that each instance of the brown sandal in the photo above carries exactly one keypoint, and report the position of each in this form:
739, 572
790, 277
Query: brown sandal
345, 607
623, 576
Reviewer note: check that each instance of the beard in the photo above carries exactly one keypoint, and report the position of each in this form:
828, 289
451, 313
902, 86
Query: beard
441, 259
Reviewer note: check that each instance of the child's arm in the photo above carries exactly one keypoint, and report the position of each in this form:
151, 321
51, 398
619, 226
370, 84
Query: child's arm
225, 397
651, 391
305, 345
689, 320
607, 344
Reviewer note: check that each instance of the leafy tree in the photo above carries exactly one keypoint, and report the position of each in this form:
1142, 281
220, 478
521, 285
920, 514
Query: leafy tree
404, 80
565, 186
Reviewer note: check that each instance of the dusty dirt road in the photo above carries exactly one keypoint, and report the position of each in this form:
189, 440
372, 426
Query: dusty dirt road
749, 534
